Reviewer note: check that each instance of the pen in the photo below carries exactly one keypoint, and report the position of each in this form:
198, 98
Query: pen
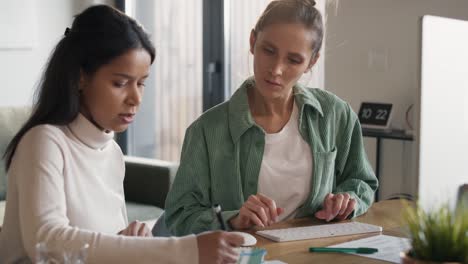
217, 211
359, 250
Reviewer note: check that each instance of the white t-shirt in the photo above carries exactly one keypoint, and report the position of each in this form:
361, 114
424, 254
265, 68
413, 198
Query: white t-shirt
286, 170
65, 183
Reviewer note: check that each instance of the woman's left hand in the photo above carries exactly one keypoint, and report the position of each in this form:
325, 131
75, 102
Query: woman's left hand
136, 228
336, 206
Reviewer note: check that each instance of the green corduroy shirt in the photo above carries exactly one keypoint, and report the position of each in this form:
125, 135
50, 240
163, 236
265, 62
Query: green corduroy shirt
223, 149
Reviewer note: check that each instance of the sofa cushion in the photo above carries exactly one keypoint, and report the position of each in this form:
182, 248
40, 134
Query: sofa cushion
11, 120
147, 181
142, 212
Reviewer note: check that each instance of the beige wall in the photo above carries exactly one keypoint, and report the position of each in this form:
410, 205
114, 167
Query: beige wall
373, 55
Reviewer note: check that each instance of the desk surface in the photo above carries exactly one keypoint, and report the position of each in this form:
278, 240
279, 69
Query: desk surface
386, 214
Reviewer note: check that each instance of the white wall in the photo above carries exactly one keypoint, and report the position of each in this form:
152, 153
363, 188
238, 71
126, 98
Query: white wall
20, 69
373, 54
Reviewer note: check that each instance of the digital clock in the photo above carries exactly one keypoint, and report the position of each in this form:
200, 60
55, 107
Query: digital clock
375, 115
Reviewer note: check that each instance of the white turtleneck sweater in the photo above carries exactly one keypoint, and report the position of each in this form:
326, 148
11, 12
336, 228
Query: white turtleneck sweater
66, 183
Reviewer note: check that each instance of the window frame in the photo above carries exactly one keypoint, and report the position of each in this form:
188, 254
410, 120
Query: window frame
215, 54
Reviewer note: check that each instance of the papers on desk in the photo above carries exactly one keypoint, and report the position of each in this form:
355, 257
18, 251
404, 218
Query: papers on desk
389, 247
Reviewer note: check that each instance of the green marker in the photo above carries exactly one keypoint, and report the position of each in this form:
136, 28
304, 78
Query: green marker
359, 250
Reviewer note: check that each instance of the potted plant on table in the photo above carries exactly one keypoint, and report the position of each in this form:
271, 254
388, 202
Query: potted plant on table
437, 236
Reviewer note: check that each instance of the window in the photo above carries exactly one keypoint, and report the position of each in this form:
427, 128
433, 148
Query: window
243, 15
202, 56
173, 95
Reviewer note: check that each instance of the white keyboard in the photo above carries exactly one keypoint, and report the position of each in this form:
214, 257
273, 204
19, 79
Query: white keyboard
318, 231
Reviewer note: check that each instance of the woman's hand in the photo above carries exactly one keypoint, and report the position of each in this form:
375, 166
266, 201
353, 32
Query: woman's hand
218, 247
136, 228
336, 206
258, 210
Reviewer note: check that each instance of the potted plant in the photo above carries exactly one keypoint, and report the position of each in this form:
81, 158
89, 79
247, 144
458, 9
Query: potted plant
437, 236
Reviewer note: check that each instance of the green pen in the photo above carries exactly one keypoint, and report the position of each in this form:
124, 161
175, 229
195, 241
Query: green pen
359, 250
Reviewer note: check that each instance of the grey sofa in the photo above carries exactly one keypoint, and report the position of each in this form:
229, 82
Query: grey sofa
146, 183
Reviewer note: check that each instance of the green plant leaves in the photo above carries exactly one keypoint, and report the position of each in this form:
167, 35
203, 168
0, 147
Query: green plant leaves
440, 234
